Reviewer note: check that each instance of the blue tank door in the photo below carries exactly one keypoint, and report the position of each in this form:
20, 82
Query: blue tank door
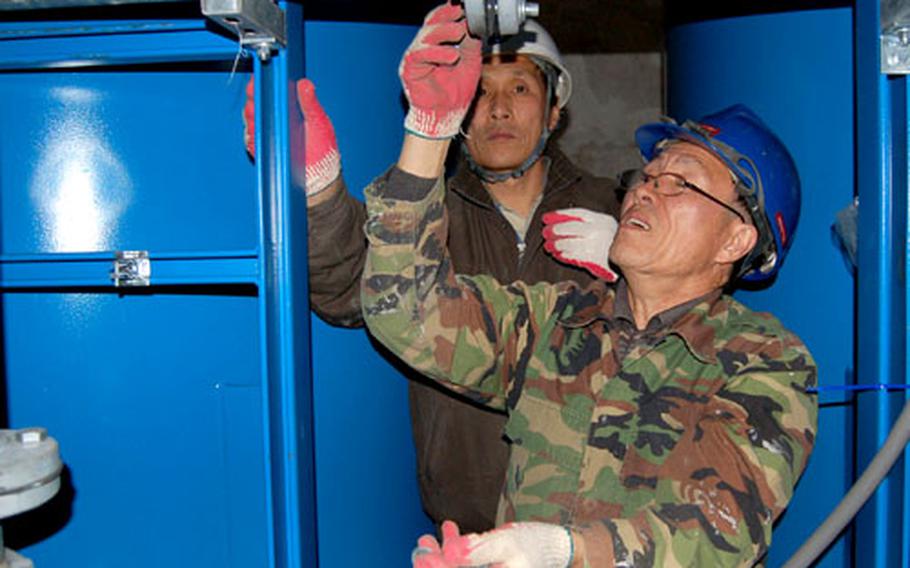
195, 425
182, 401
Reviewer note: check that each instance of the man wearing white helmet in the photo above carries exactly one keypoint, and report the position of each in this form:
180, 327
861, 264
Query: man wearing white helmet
506, 177
531, 46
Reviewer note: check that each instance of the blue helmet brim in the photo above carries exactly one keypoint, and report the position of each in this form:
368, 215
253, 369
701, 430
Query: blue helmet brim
649, 136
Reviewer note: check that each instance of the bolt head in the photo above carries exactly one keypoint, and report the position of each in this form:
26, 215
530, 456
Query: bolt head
31, 436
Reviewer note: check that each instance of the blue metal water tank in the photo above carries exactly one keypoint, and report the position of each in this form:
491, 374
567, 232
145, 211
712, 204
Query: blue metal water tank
195, 427
795, 69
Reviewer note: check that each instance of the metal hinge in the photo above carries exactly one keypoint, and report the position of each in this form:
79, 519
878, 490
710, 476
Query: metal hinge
131, 268
258, 23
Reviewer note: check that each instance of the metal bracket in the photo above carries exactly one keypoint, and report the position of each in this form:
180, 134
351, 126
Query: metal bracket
498, 18
258, 23
895, 37
895, 46
131, 268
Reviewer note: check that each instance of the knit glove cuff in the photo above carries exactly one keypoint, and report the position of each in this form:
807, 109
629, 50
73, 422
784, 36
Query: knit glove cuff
522, 545
581, 238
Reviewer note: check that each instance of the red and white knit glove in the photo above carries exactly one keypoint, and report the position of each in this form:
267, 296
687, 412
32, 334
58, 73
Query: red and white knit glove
581, 237
514, 545
439, 73
321, 161
428, 553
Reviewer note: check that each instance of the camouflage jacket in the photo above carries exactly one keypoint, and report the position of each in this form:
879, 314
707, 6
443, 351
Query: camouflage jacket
461, 482
682, 454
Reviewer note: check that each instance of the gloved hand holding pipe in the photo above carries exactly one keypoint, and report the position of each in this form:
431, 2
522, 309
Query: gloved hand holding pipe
439, 72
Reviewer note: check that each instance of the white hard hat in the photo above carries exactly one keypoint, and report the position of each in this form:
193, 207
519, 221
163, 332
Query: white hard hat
534, 41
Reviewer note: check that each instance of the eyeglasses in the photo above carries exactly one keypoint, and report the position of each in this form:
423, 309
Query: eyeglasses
668, 184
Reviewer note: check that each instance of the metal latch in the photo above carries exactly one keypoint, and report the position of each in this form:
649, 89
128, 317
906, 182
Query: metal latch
258, 23
131, 268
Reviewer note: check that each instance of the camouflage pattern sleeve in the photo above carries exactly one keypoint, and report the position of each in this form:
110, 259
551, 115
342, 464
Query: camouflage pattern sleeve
731, 473
336, 250
458, 330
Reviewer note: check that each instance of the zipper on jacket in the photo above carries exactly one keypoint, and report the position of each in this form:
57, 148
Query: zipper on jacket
521, 246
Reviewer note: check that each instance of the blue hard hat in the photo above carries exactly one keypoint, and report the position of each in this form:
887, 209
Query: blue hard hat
765, 171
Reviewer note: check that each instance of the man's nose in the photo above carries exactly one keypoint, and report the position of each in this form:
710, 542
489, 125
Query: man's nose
642, 193
500, 106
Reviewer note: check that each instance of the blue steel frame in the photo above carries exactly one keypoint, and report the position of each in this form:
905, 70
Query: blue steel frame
278, 268
94, 269
881, 118
111, 43
285, 309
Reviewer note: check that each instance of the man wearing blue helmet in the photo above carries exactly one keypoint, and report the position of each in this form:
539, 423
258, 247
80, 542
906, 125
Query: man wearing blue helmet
741, 141
654, 422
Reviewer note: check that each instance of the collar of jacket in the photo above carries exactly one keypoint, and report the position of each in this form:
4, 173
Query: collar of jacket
562, 174
697, 328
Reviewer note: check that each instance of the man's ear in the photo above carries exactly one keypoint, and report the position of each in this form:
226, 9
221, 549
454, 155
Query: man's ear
555, 115
740, 241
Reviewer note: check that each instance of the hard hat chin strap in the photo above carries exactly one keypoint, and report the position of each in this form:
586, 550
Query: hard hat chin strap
490, 176
763, 256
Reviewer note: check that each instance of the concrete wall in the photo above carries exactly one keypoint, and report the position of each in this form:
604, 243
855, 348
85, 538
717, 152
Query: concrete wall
612, 95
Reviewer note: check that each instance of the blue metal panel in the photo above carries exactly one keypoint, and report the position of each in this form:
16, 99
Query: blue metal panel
127, 160
90, 30
155, 400
138, 158
157, 397
66, 44
366, 476
795, 70
96, 270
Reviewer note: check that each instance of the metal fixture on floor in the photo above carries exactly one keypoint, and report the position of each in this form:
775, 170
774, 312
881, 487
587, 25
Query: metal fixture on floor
30, 470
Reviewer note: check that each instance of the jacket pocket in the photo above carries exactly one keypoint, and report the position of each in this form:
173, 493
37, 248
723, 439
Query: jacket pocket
548, 447
550, 433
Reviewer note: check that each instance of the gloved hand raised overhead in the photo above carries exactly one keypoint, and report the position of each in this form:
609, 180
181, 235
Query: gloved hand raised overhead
513, 545
321, 161
582, 238
439, 73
